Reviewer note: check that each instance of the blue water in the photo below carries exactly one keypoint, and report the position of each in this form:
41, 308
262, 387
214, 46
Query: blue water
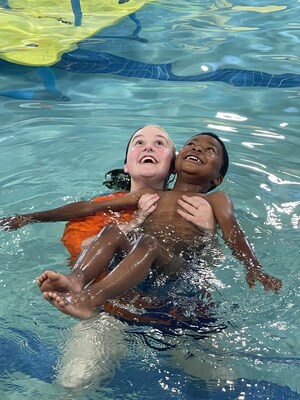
55, 151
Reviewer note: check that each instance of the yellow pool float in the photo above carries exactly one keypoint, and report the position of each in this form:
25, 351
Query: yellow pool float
38, 32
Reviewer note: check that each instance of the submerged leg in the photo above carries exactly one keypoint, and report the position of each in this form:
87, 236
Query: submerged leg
131, 271
90, 264
49, 93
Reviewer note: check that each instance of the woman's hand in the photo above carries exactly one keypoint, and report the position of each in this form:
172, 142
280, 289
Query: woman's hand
198, 211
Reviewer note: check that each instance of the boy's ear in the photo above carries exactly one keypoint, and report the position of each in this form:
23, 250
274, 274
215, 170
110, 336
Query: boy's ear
217, 181
125, 168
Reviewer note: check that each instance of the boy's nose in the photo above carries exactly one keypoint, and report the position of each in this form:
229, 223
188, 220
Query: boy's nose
197, 148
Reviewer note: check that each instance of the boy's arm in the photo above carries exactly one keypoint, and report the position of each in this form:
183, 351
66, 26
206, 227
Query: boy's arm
72, 211
238, 243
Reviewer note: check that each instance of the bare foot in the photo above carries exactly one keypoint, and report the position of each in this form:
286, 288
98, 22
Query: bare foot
78, 305
52, 280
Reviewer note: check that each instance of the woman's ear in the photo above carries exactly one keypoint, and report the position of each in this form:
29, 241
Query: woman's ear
125, 168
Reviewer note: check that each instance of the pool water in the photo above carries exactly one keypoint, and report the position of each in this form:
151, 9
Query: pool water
54, 152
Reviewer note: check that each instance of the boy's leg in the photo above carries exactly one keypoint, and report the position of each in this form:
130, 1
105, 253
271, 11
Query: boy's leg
100, 253
131, 271
90, 264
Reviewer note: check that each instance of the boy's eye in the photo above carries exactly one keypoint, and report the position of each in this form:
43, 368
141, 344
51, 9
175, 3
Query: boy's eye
160, 143
211, 149
139, 142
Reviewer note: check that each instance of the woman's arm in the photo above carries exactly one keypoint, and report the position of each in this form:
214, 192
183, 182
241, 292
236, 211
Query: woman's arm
238, 243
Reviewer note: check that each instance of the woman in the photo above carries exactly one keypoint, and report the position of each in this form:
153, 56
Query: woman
95, 346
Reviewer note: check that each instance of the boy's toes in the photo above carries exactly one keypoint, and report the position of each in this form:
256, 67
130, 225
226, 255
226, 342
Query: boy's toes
41, 278
48, 296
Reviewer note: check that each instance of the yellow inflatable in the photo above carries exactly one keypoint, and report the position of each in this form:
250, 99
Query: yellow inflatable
38, 32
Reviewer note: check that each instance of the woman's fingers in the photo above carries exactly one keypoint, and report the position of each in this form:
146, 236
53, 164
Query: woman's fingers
195, 201
192, 210
188, 216
198, 211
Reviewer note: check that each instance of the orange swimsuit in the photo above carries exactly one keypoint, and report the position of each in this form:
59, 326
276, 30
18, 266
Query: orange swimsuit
78, 230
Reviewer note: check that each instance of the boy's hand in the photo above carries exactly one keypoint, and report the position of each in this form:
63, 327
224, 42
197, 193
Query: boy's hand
14, 222
147, 204
268, 281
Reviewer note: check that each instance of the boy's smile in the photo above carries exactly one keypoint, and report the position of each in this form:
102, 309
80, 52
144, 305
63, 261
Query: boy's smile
193, 158
200, 161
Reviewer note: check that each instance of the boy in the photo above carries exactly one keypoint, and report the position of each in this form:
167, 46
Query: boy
166, 242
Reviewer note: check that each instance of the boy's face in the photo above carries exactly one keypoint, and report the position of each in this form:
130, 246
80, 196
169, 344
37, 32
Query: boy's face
150, 153
201, 156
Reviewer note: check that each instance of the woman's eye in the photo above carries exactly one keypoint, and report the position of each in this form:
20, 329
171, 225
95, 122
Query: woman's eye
160, 143
139, 143
211, 149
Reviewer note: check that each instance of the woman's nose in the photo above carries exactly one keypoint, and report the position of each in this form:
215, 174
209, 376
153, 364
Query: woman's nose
148, 148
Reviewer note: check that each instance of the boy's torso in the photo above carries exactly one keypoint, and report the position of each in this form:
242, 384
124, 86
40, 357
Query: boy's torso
172, 230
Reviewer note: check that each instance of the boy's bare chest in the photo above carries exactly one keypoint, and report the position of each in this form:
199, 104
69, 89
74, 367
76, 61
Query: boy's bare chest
166, 217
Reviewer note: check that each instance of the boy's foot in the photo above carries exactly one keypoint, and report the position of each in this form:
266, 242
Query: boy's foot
52, 280
78, 305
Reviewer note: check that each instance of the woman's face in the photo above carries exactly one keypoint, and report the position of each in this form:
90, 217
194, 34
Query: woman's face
149, 156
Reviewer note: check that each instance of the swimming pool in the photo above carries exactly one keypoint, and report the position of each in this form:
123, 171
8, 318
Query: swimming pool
56, 151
